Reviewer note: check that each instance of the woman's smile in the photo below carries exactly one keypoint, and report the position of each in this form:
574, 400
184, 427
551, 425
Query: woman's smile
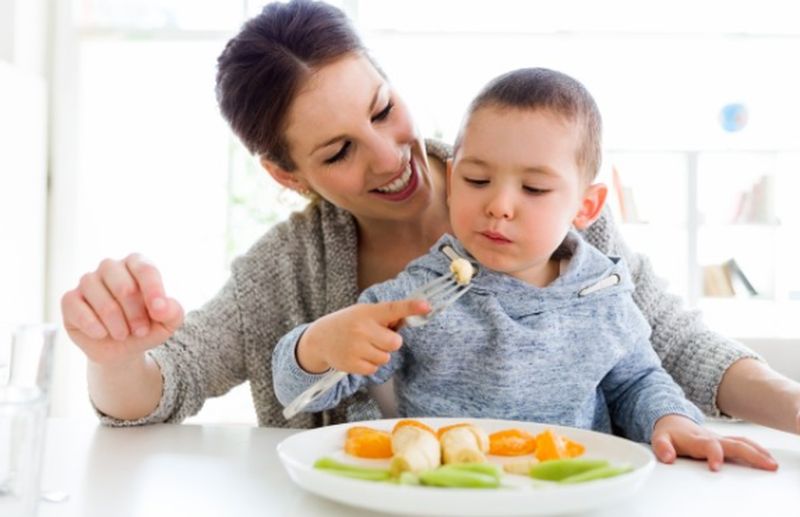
400, 187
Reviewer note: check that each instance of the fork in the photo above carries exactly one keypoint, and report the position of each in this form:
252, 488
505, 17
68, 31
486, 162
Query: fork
440, 293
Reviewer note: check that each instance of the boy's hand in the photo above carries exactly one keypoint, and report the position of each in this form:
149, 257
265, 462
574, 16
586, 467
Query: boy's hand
357, 339
676, 435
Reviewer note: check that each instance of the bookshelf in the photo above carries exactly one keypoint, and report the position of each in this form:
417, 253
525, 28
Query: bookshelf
721, 227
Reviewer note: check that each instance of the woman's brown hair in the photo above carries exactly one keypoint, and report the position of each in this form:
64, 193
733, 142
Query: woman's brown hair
264, 65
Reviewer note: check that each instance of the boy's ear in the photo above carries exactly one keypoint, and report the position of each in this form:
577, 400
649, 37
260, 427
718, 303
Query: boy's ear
287, 179
591, 206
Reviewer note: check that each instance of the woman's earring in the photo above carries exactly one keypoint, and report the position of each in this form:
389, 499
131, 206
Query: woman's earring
307, 193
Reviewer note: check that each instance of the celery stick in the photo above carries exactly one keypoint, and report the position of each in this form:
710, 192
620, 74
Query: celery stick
353, 471
598, 473
556, 470
458, 478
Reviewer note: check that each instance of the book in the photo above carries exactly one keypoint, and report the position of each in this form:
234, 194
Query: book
627, 204
716, 282
739, 281
757, 205
726, 280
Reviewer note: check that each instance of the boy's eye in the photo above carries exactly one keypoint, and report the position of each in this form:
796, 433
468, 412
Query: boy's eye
534, 190
384, 112
340, 155
476, 182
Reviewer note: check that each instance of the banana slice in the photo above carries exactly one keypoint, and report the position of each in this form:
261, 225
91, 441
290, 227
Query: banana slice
415, 450
464, 444
520, 467
462, 270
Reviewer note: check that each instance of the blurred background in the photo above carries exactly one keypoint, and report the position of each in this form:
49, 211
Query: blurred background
111, 142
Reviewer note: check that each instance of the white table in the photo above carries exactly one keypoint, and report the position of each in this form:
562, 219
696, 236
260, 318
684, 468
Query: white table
234, 471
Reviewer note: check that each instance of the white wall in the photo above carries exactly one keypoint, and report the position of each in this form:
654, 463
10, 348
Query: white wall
782, 354
23, 165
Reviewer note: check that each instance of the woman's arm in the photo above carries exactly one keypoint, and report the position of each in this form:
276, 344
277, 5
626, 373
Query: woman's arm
694, 356
721, 376
753, 391
115, 315
128, 391
203, 358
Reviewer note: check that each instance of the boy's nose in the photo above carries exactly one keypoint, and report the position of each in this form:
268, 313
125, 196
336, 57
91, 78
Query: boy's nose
500, 206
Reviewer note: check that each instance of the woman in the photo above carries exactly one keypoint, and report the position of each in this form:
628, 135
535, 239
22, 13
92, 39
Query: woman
298, 88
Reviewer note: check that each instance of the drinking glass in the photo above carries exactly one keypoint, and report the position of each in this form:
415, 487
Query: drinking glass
23, 413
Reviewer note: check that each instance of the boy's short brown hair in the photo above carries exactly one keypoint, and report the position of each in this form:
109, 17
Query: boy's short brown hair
541, 88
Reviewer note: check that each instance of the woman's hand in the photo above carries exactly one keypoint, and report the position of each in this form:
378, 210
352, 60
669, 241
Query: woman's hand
675, 435
357, 339
119, 311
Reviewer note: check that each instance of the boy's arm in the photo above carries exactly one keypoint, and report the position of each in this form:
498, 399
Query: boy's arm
638, 390
695, 357
290, 378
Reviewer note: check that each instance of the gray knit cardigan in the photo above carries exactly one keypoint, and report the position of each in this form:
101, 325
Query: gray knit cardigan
305, 268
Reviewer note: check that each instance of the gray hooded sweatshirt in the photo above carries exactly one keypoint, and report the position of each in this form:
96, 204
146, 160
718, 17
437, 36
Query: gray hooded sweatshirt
566, 354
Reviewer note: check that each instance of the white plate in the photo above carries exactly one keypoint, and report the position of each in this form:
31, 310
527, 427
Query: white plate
521, 497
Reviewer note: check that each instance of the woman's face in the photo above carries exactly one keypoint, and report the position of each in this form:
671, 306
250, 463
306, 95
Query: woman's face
353, 142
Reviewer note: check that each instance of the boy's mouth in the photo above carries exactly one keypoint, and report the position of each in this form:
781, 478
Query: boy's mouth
496, 237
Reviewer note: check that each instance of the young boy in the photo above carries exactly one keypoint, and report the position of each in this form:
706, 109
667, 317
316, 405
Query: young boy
548, 331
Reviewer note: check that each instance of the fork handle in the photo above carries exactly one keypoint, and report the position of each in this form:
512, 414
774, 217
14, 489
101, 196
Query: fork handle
325, 383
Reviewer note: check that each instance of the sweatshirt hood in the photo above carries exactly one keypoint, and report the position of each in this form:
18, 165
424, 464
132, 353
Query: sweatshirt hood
588, 276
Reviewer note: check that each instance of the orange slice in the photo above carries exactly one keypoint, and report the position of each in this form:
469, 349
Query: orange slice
550, 446
511, 442
365, 442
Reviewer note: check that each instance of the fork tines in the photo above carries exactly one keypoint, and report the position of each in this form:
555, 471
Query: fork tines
439, 293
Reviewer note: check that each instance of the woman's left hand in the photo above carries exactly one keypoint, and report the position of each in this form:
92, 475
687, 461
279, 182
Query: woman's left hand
676, 435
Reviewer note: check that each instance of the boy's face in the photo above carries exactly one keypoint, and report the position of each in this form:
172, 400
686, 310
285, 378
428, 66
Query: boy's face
515, 189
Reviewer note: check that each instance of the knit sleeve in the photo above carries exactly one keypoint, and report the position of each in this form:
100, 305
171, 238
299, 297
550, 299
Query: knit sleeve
204, 358
693, 355
301, 269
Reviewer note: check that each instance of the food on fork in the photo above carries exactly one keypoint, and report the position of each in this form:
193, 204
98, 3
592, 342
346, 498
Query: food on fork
415, 448
464, 443
462, 270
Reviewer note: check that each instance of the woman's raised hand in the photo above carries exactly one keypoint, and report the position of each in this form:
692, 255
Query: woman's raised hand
357, 339
119, 311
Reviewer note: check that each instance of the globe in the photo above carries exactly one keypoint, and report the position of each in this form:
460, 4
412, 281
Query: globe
733, 117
